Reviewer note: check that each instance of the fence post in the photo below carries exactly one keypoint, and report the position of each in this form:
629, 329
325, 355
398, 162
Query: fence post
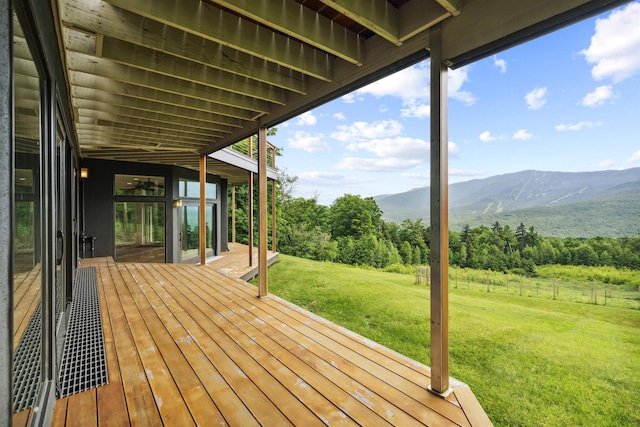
520, 285
422, 274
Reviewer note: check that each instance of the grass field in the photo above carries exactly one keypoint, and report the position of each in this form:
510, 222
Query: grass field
530, 361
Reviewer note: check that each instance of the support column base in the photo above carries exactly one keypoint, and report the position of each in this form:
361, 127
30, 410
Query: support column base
443, 394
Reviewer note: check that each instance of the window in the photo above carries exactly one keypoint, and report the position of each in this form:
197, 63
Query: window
191, 189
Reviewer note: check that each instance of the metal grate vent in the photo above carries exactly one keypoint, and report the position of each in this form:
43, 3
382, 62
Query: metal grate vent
26, 364
84, 364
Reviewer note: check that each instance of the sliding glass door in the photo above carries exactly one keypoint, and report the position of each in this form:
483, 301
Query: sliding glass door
28, 280
43, 268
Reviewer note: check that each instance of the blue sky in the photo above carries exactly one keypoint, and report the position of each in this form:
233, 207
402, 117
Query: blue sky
569, 101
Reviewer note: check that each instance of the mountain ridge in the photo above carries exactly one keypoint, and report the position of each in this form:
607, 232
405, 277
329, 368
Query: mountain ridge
580, 204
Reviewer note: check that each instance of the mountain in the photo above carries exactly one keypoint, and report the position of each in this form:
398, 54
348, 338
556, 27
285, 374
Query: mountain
576, 204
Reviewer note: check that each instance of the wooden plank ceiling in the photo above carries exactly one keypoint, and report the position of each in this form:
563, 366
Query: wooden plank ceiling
161, 80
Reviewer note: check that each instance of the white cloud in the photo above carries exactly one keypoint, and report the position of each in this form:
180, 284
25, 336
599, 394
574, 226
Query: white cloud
398, 148
453, 148
399, 153
409, 84
416, 110
536, 98
615, 45
577, 126
522, 135
360, 131
307, 142
598, 96
456, 79
339, 116
349, 98
307, 119
376, 165
635, 157
486, 136
500, 63
607, 163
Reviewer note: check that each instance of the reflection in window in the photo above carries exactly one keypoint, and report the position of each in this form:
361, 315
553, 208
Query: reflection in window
139, 185
140, 228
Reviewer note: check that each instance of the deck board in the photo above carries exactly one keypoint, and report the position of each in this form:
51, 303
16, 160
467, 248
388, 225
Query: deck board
82, 409
189, 345
112, 407
141, 406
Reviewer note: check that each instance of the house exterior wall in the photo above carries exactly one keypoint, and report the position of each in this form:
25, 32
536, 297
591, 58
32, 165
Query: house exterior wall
99, 212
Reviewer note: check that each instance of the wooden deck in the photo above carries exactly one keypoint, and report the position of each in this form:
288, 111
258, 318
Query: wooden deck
187, 345
235, 262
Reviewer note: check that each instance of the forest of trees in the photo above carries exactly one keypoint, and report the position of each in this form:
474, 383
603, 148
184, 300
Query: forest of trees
351, 231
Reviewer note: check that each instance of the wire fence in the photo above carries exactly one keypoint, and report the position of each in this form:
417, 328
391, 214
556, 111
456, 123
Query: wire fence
585, 291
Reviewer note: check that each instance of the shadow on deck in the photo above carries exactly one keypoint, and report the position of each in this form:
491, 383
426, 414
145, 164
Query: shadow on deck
188, 345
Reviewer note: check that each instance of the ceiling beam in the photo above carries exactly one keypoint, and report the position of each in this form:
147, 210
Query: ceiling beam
302, 23
379, 16
212, 23
418, 16
134, 132
221, 123
101, 140
104, 68
119, 24
92, 82
454, 7
95, 116
142, 109
154, 147
177, 131
149, 60
85, 106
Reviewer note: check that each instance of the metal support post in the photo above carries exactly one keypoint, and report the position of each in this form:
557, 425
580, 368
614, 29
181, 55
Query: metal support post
439, 220
262, 208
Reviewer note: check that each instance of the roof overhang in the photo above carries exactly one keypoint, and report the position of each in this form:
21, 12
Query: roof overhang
164, 81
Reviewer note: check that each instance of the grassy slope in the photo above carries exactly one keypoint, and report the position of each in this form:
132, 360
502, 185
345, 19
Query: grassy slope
529, 361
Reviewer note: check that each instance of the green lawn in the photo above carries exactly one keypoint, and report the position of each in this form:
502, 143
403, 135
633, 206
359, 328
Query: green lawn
530, 361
